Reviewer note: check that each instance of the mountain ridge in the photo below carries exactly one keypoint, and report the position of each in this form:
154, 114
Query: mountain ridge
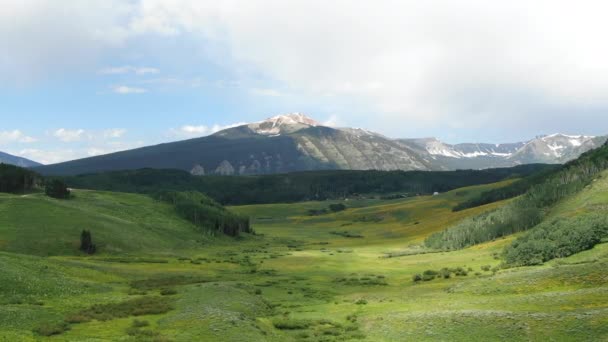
16, 160
295, 142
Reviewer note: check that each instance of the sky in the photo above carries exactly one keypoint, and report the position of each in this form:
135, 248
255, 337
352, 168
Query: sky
82, 78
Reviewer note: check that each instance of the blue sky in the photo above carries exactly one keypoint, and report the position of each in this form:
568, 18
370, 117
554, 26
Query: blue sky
80, 79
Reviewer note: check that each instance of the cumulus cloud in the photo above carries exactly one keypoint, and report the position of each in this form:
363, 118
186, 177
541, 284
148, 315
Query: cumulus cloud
333, 121
15, 136
194, 131
114, 133
67, 135
124, 90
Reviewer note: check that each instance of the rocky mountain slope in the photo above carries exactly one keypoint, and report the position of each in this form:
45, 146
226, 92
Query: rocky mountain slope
14, 160
295, 142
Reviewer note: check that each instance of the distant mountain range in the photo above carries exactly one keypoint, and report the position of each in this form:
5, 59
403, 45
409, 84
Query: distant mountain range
295, 142
19, 161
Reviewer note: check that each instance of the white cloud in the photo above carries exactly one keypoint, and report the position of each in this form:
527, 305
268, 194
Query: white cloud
121, 89
15, 136
48, 156
114, 133
333, 121
67, 135
194, 131
265, 92
128, 69
425, 63
440, 63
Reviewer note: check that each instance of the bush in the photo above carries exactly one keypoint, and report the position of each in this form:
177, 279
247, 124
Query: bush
134, 307
290, 324
50, 329
168, 292
337, 207
416, 278
139, 324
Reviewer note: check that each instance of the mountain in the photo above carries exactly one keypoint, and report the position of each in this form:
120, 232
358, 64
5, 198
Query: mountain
284, 143
550, 149
19, 161
295, 142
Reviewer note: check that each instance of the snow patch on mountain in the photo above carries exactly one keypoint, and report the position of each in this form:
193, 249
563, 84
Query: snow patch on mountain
285, 123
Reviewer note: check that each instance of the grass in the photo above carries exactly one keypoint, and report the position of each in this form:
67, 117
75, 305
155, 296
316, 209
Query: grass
297, 281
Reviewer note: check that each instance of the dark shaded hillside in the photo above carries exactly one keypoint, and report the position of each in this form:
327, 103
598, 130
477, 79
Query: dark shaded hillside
18, 161
299, 186
214, 154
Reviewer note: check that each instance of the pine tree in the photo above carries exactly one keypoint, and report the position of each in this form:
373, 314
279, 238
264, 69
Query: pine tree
86, 242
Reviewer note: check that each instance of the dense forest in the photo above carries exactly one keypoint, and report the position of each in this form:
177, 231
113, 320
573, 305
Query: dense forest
299, 186
526, 211
15, 179
557, 239
205, 213
514, 189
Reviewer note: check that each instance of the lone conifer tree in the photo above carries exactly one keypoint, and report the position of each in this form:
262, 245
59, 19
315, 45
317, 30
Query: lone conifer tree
86, 242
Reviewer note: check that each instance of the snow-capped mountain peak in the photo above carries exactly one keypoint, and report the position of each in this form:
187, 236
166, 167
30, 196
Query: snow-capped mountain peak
285, 123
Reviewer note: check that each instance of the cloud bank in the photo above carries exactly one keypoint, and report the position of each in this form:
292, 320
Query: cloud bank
396, 66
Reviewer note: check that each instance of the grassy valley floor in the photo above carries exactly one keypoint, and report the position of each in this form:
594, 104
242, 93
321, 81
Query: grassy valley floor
333, 277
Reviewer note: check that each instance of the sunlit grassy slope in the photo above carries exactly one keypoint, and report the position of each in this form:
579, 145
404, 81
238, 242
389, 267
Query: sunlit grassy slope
296, 281
120, 223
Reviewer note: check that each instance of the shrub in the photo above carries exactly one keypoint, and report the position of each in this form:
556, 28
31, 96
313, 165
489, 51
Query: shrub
290, 324
168, 292
134, 307
139, 324
337, 207
417, 277
50, 329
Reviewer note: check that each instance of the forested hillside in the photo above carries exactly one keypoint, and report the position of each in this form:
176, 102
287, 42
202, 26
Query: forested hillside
15, 179
551, 238
300, 186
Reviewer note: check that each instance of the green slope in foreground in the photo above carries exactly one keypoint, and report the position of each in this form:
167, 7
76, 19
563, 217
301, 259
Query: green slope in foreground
303, 279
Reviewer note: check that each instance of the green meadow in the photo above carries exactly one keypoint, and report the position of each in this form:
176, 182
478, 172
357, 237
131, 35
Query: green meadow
339, 276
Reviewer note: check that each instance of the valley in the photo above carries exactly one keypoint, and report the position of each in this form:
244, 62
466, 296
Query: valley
347, 275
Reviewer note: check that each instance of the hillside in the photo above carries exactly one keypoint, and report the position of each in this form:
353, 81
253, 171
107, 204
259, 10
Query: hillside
120, 224
531, 211
295, 142
18, 161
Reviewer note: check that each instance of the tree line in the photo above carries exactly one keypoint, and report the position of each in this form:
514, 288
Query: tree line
205, 213
298, 186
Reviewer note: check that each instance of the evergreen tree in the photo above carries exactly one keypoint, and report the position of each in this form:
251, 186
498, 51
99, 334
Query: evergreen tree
86, 242
57, 189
